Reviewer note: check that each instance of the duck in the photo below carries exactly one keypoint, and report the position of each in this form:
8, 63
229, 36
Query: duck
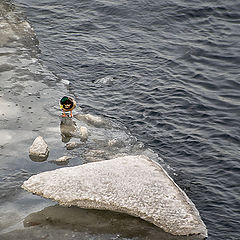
67, 104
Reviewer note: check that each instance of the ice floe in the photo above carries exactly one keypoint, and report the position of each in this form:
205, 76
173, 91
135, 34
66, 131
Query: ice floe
134, 185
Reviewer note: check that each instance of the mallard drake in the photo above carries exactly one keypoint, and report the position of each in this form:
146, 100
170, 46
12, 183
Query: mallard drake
67, 104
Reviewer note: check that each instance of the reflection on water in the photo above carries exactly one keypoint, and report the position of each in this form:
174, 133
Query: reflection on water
38, 158
68, 129
97, 222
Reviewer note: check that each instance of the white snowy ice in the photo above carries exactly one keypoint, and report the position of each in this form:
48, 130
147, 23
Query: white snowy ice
134, 185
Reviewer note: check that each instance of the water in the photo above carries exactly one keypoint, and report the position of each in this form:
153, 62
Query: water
167, 71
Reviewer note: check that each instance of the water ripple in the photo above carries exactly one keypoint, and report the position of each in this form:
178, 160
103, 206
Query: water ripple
176, 84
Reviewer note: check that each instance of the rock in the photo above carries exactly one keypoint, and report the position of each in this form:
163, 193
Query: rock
95, 121
62, 160
39, 150
72, 145
132, 184
68, 129
96, 155
84, 134
115, 143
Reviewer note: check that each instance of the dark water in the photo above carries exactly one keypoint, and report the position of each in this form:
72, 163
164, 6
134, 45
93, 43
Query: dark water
169, 71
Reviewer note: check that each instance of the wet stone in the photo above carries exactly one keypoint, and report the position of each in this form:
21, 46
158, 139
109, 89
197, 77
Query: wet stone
95, 121
63, 159
72, 145
39, 150
96, 155
84, 134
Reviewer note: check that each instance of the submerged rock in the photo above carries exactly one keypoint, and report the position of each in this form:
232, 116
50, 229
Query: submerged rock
96, 155
62, 160
84, 133
39, 150
68, 129
73, 145
132, 184
95, 121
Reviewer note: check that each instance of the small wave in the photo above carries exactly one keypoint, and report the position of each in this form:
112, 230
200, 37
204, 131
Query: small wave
11, 183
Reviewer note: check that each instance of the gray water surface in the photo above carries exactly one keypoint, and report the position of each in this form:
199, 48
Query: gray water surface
166, 71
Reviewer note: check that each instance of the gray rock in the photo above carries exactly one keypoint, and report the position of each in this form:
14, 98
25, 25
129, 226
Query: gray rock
84, 133
39, 150
68, 129
132, 184
72, 145
95, 121
96, 155
63, 159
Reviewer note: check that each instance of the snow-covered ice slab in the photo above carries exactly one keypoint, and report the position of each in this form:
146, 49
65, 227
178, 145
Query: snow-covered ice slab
132, 184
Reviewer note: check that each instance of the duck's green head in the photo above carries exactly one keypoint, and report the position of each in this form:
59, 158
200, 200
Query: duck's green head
64, 100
